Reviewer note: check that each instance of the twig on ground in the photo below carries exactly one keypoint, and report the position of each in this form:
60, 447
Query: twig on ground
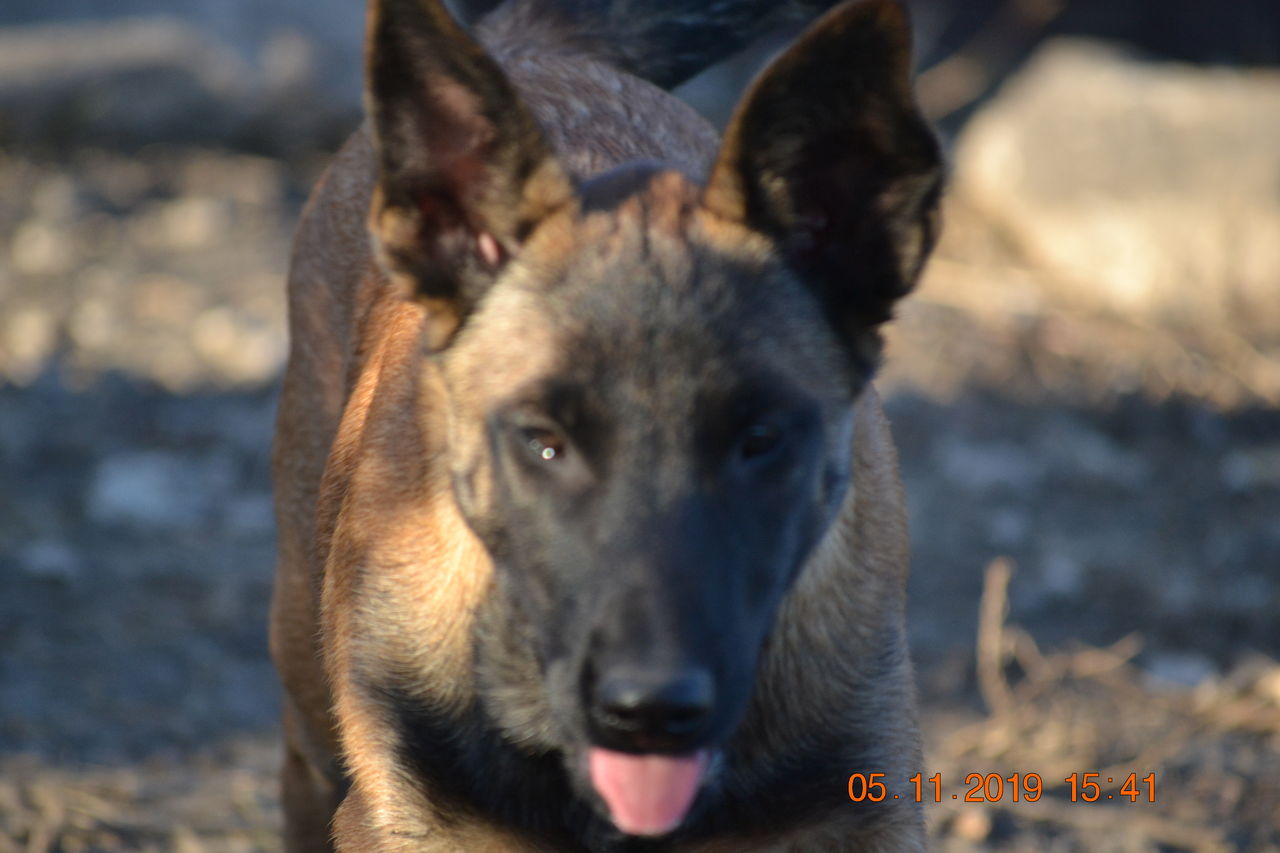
991, 640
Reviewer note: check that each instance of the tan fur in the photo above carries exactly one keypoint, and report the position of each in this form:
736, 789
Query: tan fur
374, 557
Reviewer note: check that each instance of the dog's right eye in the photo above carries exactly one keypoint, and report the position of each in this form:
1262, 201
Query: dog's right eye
543, 443
759, 440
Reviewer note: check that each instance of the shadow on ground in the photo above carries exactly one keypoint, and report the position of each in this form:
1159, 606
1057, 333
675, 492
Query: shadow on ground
137, 703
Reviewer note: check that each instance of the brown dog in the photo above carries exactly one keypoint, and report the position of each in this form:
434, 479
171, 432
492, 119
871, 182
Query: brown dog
591, 531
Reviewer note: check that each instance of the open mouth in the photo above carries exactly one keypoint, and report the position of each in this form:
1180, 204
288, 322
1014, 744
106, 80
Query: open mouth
647, 794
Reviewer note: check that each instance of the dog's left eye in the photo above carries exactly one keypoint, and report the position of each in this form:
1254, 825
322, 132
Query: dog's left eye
759, 439
543, 443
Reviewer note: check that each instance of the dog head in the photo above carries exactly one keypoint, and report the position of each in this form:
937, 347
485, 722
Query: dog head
650, 376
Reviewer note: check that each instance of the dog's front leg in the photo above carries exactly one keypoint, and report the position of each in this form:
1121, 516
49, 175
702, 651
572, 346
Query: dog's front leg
365, 824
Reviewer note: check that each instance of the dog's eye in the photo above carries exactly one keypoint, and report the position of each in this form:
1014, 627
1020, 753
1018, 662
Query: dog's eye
758, 440
543, 443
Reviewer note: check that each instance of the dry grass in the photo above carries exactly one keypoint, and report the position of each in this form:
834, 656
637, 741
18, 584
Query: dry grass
1214, 748
223, 802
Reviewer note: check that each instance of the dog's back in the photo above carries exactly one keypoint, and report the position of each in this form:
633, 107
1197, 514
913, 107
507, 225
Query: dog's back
363, 481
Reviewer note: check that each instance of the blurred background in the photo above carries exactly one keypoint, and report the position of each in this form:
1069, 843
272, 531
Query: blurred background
1085, 391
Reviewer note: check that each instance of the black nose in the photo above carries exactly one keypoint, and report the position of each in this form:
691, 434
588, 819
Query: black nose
658, 706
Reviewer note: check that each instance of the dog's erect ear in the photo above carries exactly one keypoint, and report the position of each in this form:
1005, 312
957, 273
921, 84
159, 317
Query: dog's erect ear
829, 156
464, 172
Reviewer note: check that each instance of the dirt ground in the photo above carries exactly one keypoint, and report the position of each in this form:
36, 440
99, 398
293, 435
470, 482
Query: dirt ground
1096, 571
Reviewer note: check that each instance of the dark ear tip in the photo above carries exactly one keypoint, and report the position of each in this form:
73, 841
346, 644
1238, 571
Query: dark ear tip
387, 20
885, 12
855, 36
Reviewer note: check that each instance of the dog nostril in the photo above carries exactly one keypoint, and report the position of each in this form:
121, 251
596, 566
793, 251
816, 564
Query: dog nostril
637, 703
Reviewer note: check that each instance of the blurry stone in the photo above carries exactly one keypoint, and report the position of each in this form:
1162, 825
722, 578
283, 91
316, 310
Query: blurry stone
288, 63
39, 248
1008, 527
239, 350
972, 824
157, 489
184, 840
251, 514
168, 360
244, 179
1268, 685
28, 340
1076, 449
184, 223
93, 323
1180, 592
120, 181
1246, 592
194, 222
215, 334
952, 844
1252, 468
165, 300
1061, 574
52, 560
56, 199
103, 281
985, 466
1147, 190
1180, 669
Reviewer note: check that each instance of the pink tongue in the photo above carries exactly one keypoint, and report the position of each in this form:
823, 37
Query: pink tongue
646, 794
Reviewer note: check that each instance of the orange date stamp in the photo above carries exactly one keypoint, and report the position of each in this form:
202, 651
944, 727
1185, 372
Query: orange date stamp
1091, 787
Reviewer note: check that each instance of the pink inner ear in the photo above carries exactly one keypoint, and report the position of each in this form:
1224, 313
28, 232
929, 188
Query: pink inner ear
490, 251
